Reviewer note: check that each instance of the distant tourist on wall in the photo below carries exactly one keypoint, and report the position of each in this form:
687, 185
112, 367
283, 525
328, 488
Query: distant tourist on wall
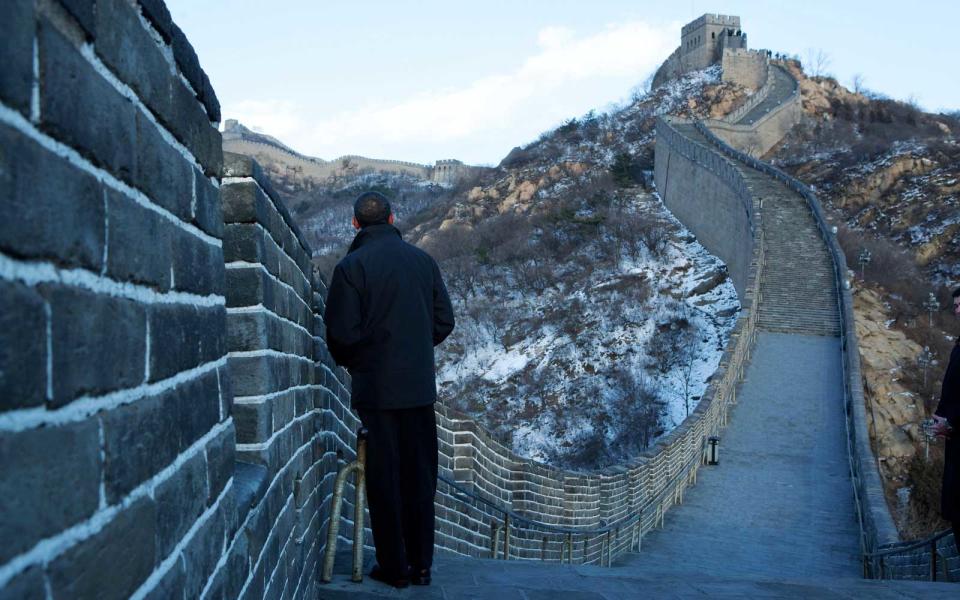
946, 422
387, 308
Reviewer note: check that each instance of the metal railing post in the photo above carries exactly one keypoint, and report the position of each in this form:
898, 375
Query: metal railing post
494, 534
933, 560
569, 544
543, 549
333, 528
506, 537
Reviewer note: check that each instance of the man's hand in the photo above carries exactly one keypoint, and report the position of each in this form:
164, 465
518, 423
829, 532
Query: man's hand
941, 427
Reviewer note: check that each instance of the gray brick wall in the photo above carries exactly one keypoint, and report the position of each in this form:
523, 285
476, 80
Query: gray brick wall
130, 318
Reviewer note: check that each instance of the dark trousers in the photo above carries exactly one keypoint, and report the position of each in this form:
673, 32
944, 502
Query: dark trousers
401, 477
955, 526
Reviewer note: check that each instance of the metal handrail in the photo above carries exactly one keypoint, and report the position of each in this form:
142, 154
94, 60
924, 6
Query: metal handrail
359, 465
907, 546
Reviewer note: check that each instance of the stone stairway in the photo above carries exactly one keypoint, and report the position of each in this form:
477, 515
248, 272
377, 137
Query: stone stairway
798, 293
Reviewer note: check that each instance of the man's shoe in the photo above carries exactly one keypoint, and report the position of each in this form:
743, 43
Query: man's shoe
420, 577
397, 581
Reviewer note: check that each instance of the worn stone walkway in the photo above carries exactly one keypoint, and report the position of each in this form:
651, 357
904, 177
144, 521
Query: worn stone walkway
780, 503
775, 519
465, 579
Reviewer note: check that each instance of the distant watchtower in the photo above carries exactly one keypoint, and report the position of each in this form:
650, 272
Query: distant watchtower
702, 41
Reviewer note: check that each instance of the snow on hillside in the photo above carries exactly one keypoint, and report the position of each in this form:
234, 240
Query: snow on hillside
589, 321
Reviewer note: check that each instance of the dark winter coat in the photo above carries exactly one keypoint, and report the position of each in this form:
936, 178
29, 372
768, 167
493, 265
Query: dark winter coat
387, 308
949, 408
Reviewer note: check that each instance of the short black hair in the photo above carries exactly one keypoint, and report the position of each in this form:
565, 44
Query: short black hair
371, 208
956, 292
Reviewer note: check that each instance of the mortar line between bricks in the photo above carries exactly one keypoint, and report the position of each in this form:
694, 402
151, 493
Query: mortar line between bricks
258, 446
337, 379
241, 264
254, 509
273, 203
87, 406
35, 87
297, 269
258, 308
46, 550
266, 352
174, 555
14, 119
261, 398
167, 51
291, 504
35, 273
279, 248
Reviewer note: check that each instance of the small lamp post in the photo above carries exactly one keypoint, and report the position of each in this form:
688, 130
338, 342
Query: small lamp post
713, 451
932, 305
924, 360
864, 259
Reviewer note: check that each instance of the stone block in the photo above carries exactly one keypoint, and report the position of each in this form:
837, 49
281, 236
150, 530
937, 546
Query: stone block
93, 117
198, 408
247, 286
23, 347
243, 202
237, 567
198, 266
183, 337
208, 215
181, 499
42, 467
243, 242
163, 173
98, 342
171, 584
253, 422
158, 15
191, 125
226, 393
140, 439
186, 58
50, 208
126, 545
17, 29
27, 585
128, 49
221, 460
131, 227
202, 554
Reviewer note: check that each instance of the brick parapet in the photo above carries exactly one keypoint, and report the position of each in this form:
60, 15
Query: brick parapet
118, 418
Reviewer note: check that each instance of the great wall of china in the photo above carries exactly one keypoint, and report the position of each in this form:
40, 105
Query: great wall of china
201, 463
268, 150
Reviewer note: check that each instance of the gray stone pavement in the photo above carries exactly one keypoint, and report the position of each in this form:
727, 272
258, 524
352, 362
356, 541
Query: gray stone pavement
780, 503
775, 519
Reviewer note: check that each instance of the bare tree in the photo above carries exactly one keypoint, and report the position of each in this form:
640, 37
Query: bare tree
818, 62
858, 83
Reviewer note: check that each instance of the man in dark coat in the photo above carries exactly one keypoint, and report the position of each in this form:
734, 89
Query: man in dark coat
947, 423
387, 308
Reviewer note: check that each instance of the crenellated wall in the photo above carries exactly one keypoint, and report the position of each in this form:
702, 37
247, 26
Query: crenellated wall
707, 193
170, 419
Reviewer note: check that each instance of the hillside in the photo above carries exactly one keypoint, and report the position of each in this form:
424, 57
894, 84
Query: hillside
589, 319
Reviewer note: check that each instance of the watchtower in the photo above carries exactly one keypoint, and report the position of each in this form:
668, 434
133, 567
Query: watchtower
703, 40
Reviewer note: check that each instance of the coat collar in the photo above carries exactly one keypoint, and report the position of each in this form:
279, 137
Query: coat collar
371, 233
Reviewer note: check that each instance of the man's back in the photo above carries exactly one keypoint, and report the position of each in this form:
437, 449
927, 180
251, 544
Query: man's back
386, 309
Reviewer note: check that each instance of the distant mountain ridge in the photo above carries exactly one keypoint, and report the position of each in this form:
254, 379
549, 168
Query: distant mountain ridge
282, 159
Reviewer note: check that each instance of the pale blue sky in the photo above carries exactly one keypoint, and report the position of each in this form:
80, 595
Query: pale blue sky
425, 80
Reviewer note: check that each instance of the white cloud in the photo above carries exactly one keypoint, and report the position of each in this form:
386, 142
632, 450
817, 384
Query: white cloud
479, 122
